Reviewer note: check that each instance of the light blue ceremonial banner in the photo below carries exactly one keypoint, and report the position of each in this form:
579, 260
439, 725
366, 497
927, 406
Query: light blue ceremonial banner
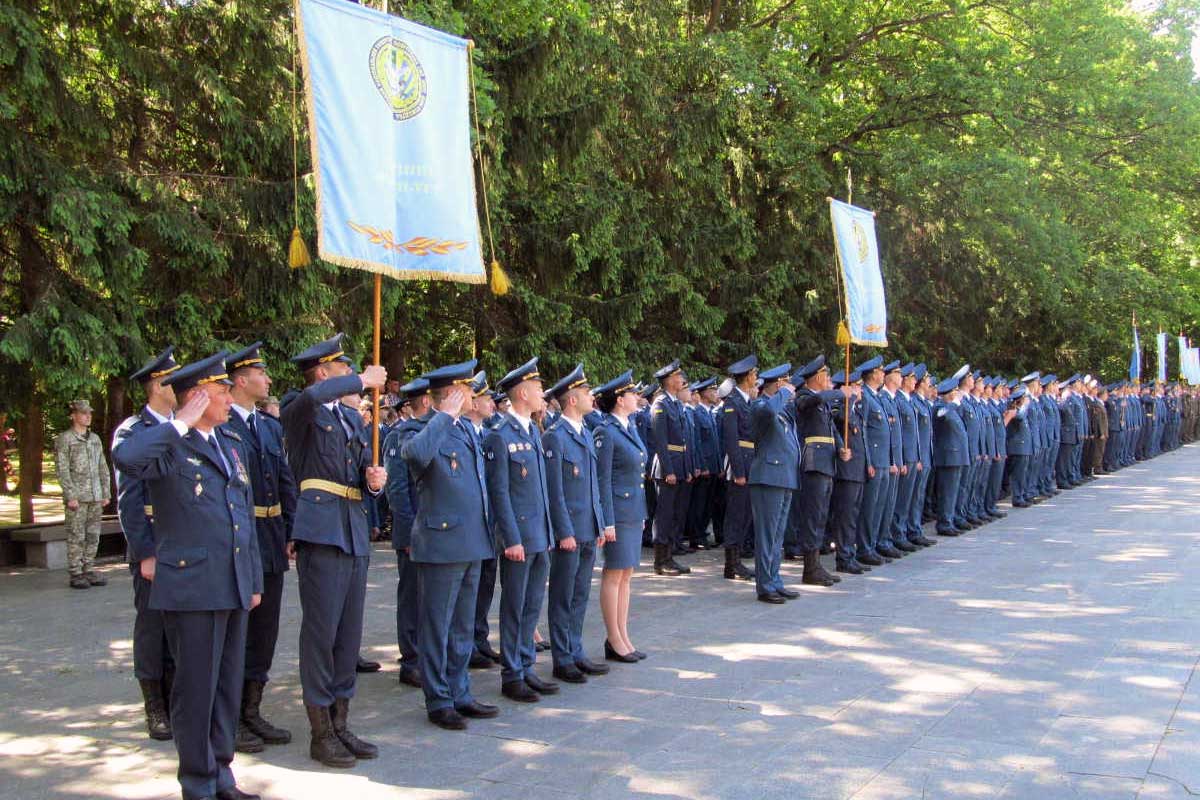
1162, 358
858, 260
1135, 358
388, 112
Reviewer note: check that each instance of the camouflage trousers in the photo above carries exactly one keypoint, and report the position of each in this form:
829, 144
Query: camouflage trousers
83, 536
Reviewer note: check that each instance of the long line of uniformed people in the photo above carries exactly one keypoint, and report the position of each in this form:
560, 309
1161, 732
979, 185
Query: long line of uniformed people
531, 488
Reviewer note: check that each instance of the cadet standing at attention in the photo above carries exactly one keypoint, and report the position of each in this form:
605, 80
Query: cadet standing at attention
520, 507
330, 455
739, 454
274, 510
578, 522
152, 662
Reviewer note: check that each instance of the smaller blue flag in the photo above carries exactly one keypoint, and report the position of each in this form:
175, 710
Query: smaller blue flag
1162, 358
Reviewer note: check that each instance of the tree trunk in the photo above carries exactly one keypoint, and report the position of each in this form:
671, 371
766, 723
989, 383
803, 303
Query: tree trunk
29, 440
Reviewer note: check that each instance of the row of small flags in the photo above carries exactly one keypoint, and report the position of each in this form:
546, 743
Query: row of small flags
1189, 358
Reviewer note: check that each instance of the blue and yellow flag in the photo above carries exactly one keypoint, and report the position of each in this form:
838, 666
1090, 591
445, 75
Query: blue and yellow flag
858, 260
1162, 358
388, 110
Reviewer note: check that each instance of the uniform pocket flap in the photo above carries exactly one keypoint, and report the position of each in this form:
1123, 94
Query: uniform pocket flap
442, 522
183, 557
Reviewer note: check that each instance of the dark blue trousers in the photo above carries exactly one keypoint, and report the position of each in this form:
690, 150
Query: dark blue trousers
522, 588
813, 502
771, 505
445, 631
206, 696
333, 587
738, 515
483, 600
948, 479
151, 655
262, 629
844, 507
408, 610
871, 509
570, 586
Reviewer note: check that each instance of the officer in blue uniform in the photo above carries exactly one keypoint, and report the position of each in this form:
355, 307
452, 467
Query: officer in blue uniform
481, 408
450, 537
738, 455
923, 410
965, 514
520, 507
578, 521
1083, 430
951, 453
999, 414
1019, 443
910, 447
707, 460
274, 509
329, 452
879, 456
821, 448
774, 478
1115, 407
671, 468
1053, 433
849, 476
206, 574
402, 497
152, 662
1069, 434
645, 432
886, 395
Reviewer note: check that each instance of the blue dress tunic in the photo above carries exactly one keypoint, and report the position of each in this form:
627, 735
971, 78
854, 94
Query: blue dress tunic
622, 464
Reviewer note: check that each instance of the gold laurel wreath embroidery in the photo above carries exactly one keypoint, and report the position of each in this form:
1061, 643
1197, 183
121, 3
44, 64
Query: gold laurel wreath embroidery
418, 246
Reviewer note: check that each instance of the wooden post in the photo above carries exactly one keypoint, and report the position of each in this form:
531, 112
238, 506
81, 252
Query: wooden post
377, 360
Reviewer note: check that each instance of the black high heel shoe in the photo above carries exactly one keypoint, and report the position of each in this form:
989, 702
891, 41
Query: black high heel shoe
612, 655
638, 654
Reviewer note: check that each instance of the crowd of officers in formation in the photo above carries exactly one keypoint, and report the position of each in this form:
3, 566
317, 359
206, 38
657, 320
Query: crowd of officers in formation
531, 487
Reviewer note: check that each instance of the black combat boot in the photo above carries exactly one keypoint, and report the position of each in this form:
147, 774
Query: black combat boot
324, 745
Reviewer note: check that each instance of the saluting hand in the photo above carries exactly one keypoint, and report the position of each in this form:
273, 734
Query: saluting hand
193, 409
453, 402
376, 478
374, 377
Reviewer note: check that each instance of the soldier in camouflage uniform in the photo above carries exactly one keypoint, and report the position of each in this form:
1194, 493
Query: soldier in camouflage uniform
83, 475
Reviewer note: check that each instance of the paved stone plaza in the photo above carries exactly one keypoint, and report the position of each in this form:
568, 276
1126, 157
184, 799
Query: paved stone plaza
1049, 655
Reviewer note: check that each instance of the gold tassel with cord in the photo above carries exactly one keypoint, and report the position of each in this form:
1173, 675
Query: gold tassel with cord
298, 251
843, 333
500, 283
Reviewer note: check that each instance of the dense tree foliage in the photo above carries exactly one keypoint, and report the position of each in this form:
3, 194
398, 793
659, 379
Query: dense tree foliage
658, 181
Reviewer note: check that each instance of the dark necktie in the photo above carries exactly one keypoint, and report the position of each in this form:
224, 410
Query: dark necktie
253, 425
216, 448
337, 412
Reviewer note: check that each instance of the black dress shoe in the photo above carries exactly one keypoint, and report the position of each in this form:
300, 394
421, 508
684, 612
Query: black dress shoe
948, 532
540, 686
787, 594
480, 661
610, 654
904, 547
519, 691
234, 793
541, 646
588, 667
639, 655
477, 710
447, 719
852, 568
887, 551
790, 556
411, 677
485, 649
366, 666
869, 559
998, 514
1021, 505
569, 673
772, 597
